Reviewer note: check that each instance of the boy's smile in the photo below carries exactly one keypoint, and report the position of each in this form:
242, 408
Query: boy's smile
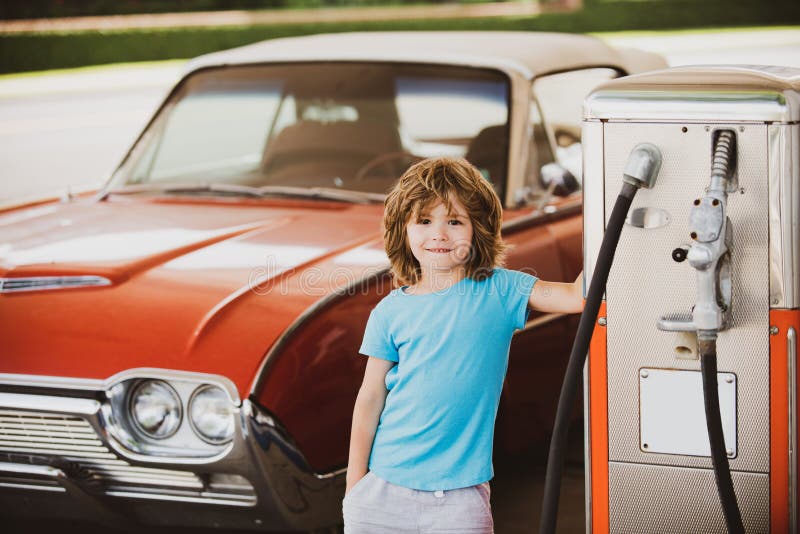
441, 242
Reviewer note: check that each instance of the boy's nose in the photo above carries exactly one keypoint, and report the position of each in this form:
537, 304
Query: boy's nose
440, 235
440, 230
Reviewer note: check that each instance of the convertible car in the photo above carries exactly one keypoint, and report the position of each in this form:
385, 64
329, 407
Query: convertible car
181, 347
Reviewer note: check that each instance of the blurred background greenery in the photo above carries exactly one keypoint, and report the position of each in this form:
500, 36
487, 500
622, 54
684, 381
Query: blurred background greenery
43, 48
16, 9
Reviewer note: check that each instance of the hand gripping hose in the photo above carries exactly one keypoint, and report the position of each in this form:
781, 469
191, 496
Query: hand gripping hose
641, 170
707, 345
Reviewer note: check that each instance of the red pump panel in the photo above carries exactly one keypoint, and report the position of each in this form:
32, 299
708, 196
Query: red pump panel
598, 414
780, 417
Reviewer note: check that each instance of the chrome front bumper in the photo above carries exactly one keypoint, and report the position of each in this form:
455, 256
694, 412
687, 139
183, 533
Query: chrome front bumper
56, 454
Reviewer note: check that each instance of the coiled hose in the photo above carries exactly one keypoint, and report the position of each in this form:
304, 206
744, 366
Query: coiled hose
722, 165
572, 376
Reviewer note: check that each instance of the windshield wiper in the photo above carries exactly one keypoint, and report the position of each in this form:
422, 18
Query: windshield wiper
241, 190
327, 193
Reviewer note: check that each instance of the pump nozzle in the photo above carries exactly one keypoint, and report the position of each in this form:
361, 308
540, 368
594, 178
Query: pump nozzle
709, 254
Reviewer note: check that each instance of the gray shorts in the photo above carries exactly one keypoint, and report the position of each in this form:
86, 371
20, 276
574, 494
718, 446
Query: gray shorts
374, 506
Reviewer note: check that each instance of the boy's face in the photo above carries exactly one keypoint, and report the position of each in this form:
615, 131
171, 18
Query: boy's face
441, 241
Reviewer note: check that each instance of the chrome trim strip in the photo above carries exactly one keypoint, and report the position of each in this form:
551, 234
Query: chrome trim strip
791, 351
54, 382
181, 498
57, 479
35, 470
41, 283
783, 151
12, 485
594, 217
40, 403
57, 475
723, 105
332, 474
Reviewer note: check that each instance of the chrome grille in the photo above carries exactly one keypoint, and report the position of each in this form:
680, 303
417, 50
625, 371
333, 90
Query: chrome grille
50, 434
54, 438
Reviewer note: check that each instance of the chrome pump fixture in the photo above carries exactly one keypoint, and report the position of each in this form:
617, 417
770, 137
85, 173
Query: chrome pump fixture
709, 254
711, 233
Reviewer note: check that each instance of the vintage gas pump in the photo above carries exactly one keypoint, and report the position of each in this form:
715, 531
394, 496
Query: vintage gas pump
705, 278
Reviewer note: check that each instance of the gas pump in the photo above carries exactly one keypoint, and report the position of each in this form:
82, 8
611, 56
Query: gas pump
692, 371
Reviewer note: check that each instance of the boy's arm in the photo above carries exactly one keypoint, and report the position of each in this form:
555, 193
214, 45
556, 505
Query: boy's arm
366, 414
557, 297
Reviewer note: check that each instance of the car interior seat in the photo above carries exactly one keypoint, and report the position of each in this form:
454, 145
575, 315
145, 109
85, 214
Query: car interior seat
319, 152
488, 151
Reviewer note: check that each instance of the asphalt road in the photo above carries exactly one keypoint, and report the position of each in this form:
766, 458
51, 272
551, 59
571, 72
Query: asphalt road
70, 129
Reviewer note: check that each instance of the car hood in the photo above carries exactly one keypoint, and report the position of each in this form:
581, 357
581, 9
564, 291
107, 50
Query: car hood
197, 285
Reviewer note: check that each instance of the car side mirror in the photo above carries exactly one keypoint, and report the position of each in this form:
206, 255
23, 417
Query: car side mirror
560, 180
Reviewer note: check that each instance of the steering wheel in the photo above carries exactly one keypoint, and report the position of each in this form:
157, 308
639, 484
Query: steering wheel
383, 159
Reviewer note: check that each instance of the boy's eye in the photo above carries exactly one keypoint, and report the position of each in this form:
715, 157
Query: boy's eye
455, 221
424, 221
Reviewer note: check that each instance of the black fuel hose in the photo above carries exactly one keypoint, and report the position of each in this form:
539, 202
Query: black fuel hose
707, 346
573, 374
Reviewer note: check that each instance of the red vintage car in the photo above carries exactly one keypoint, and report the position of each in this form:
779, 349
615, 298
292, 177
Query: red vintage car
180, 348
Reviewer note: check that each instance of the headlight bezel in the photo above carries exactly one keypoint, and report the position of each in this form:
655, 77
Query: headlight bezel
185, 446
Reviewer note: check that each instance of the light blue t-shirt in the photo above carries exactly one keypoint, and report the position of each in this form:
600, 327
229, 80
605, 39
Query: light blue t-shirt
451, 347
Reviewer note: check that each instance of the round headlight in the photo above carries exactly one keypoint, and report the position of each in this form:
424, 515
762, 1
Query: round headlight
211, 414
156, 409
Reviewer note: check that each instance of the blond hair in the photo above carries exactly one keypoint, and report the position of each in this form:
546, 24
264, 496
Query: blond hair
438, 180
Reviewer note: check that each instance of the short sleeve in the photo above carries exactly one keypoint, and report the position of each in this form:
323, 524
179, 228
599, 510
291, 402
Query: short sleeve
377, 338
515, 288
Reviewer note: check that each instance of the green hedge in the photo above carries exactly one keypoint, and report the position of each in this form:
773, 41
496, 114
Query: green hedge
33, 9
26, 52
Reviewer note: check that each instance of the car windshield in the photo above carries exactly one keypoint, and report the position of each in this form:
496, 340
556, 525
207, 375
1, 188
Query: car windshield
349, 126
